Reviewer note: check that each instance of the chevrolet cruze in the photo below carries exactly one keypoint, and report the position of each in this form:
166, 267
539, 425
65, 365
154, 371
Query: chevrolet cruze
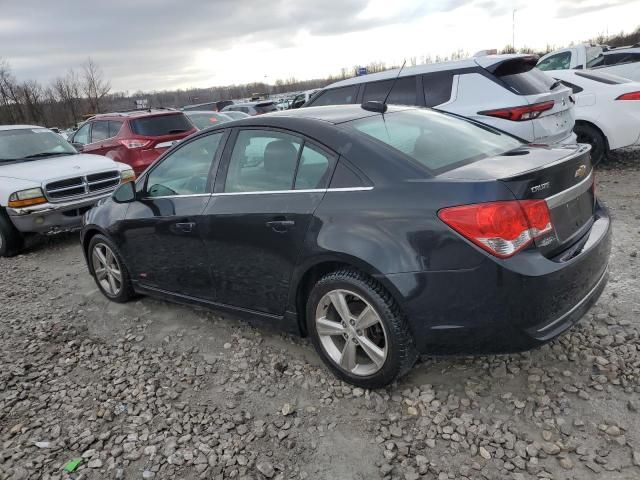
381, 232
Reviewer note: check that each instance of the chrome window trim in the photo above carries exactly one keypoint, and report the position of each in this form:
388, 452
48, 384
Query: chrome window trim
267, 192
571, 193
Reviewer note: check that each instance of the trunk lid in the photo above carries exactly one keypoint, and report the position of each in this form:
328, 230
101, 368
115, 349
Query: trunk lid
560, 175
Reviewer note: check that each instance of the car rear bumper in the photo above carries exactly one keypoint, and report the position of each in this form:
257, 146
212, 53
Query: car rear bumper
504, 306
53, 217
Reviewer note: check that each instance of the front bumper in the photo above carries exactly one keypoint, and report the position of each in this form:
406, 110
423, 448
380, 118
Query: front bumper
503, 306
53, 217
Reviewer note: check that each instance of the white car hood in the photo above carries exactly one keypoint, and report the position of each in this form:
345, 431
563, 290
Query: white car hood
59, 167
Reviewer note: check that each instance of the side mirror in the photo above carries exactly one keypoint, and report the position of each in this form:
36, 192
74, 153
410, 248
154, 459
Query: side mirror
125, 193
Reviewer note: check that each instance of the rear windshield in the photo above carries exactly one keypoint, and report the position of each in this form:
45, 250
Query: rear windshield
603, 78
159, 125
531, 82
266, 108
435, 140
206, 120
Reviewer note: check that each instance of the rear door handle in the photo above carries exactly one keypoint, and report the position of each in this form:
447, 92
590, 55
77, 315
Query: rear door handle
281, 225
185, 227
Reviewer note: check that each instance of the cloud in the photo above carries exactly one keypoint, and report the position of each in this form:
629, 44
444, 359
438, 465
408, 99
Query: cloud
570, 8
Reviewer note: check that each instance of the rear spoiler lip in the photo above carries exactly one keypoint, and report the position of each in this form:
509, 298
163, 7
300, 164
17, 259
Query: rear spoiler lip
491, 63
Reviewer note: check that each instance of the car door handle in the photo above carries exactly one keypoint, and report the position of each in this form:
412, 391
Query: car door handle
280, 225
185, 227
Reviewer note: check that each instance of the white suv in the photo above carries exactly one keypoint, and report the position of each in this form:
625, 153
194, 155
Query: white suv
504, 91
46, 186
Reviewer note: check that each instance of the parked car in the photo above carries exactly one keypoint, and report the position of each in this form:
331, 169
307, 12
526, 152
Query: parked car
503, 91
46, 186
236, 115
210, 106
136, 138
302, 98
607, 110
624, 62
379, 236
203, 119
252, 108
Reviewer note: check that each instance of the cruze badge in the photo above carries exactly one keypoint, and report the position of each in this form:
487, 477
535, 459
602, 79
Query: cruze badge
581, 171
542, 186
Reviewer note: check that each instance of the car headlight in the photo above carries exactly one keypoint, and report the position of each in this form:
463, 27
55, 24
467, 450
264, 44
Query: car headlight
26, 198
127, 176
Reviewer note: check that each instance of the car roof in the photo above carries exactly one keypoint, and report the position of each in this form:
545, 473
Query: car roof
334, 114
208, 112
251, 104
138, 113
484, 61
18, 127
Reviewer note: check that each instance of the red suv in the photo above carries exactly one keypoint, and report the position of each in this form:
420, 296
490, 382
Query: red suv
136, 138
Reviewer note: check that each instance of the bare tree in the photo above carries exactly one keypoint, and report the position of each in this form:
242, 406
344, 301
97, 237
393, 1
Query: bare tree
11, 111
94, 86
67, 90
32, 97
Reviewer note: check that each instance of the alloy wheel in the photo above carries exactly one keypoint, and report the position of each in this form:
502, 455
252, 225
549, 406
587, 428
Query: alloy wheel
106, 269
351, 332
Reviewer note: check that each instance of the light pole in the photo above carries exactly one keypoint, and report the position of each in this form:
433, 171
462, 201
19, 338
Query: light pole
513, 30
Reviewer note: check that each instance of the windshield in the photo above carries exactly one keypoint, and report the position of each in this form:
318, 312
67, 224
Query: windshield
32, 143
437, 141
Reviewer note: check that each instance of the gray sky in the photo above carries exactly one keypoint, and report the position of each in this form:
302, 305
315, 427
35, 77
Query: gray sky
161, 44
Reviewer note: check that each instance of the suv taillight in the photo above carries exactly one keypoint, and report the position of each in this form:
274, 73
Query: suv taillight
500, 228
134, 143
629, 96
518, 114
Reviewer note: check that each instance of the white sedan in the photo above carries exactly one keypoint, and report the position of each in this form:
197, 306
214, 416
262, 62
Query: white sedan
607, 109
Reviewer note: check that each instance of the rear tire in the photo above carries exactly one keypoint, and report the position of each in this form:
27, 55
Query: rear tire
594, 137
369, 344
109, 270
11, 240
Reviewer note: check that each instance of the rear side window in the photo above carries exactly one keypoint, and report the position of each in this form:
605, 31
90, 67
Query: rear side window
313, 169
114, 127
603, 78
161, 125
560, 61
100, 131
403, 93
437, 88
436, 141
531, 82
337, 96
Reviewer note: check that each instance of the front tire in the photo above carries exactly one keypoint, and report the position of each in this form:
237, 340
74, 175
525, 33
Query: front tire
594, 137
11, 240
358, 330
108, 270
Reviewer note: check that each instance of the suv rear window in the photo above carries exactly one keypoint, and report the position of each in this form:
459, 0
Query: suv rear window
436, 141
530, 82
159, 125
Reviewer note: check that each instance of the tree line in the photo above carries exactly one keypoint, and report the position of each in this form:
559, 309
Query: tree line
85, 91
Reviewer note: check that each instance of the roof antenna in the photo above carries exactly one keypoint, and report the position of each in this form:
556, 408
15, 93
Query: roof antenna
381, 107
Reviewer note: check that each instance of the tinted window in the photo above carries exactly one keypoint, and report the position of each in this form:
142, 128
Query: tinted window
266, 108
82, 135
560, 61
618, 58
437, 88
100, 131
114, 127
313, 171
438, 142
161, 125
337, 96
262, 161
404, 91
345, 177
603, 78
184, 171
530, 82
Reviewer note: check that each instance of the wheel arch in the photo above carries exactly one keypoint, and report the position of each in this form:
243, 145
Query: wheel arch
598, 128
310, 272
87, 234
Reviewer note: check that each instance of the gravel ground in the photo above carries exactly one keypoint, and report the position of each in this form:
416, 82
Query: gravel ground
156, 390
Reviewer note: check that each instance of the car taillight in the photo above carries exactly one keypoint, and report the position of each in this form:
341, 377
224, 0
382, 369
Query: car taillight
500, 228
518, 114
133, 143
629, 96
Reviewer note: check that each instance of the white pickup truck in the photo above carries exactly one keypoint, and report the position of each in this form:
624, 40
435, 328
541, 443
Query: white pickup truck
46, 186
623, 62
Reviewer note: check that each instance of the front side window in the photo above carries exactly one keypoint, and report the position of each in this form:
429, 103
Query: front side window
262, 161
100, 131
184, 171
436, 141
82, 135
336, 96
560, 61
